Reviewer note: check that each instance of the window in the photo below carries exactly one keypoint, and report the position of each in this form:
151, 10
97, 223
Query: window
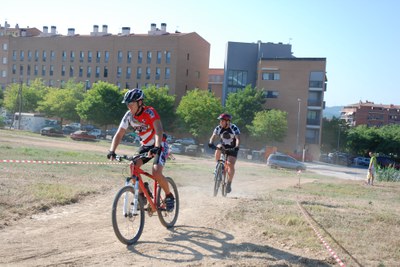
51, 71
139, 73
81, 56
63, 55
5, 47
37, 56
4, 73
89, 56
273, 76
14, 55
129, 57
148, 57
43, 70
21, 70
312, 136
148, 73
128, 72
29, 55
52, 55
71, 71
158, 72
159, 56
80, 71
271, 94
167, 73
44, 56
140, 57
28, 70
106, 56
119, 55
168, 57
21, 55
89, 72
98, 56
35, 70
313, 117
4, 60
62, 70
187, 56
316, 79
105, 74
72, 56
119, 72
14, 69
237, 78
97, 75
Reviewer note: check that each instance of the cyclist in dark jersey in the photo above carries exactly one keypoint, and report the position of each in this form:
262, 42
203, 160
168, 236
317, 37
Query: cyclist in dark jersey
147, 124
229, 139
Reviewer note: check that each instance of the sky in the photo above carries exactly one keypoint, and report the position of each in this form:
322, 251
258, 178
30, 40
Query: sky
360, 39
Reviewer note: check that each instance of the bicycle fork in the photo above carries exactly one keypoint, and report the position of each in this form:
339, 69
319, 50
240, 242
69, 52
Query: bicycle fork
133, 208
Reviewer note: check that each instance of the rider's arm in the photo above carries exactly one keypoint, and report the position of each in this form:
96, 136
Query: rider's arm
117, 138
159, 133
237, 141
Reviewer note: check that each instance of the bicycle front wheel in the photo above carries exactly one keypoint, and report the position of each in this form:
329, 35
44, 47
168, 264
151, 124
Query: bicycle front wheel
167, 218
127, 224
217, 178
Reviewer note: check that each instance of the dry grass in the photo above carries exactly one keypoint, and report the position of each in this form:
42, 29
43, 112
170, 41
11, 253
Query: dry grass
360, 223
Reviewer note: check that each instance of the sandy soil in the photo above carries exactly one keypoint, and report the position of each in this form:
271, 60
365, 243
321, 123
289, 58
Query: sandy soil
81, 234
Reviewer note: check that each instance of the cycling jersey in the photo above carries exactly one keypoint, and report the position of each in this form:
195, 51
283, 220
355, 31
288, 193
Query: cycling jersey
227, 135
142, 124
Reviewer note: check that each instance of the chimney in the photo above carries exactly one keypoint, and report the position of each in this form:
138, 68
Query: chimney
45, 29
153, 27
105, 28
126, 30
95, 28
23, 32
71, 31
164, 27
53, 30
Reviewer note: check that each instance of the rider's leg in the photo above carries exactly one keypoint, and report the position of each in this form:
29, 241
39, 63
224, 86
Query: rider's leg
231, 167
159, 176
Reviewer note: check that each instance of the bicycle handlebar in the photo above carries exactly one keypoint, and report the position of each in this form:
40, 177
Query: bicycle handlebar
131, 158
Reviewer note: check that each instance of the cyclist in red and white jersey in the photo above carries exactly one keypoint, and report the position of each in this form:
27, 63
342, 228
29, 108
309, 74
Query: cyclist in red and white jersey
146, 122
229, 139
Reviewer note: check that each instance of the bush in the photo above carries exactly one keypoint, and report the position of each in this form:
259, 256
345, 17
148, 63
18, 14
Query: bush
388, 175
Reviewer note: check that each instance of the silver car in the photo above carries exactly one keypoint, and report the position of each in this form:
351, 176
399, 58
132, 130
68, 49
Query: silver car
278, 160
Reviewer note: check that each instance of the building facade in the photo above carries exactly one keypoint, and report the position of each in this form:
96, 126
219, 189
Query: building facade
178, 61
294, 85
370, 114
215, 81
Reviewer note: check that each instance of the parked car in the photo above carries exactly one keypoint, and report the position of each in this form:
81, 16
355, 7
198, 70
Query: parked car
176, 148
362, 161
186, 141
82, 136
67, 129
278, 160
98, 133
111, 132
52, 131
192, 150
386, 162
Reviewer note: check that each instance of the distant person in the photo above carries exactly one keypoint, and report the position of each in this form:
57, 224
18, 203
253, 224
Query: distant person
371, 169
229, 139
146, 122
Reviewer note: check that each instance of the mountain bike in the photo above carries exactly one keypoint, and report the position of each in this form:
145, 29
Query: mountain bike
128, 209
220, 179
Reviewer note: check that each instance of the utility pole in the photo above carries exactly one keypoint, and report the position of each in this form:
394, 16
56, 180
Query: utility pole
298, 126
20, 104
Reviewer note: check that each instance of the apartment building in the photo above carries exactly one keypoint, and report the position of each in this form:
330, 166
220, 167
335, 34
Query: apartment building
370, 114
176, 60
294, 85
215, 81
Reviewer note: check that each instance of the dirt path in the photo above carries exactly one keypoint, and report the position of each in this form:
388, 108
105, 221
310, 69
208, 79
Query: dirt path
81, 234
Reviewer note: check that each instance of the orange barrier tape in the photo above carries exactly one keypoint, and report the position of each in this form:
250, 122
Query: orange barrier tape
59, 162
305, 213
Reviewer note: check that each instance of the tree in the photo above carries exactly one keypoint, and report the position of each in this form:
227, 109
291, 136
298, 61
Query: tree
269, 126
163, 103
62, 103
102, 104
31, 96
199, 110
334, 134
243, 104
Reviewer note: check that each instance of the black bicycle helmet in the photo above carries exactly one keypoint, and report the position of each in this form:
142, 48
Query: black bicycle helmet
133, 95
225, 116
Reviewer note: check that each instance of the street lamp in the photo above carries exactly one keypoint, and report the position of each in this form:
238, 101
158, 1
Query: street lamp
298, 125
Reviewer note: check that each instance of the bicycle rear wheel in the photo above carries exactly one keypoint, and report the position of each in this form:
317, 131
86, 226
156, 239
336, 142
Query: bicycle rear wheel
217, 178
128, 227
167, 218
